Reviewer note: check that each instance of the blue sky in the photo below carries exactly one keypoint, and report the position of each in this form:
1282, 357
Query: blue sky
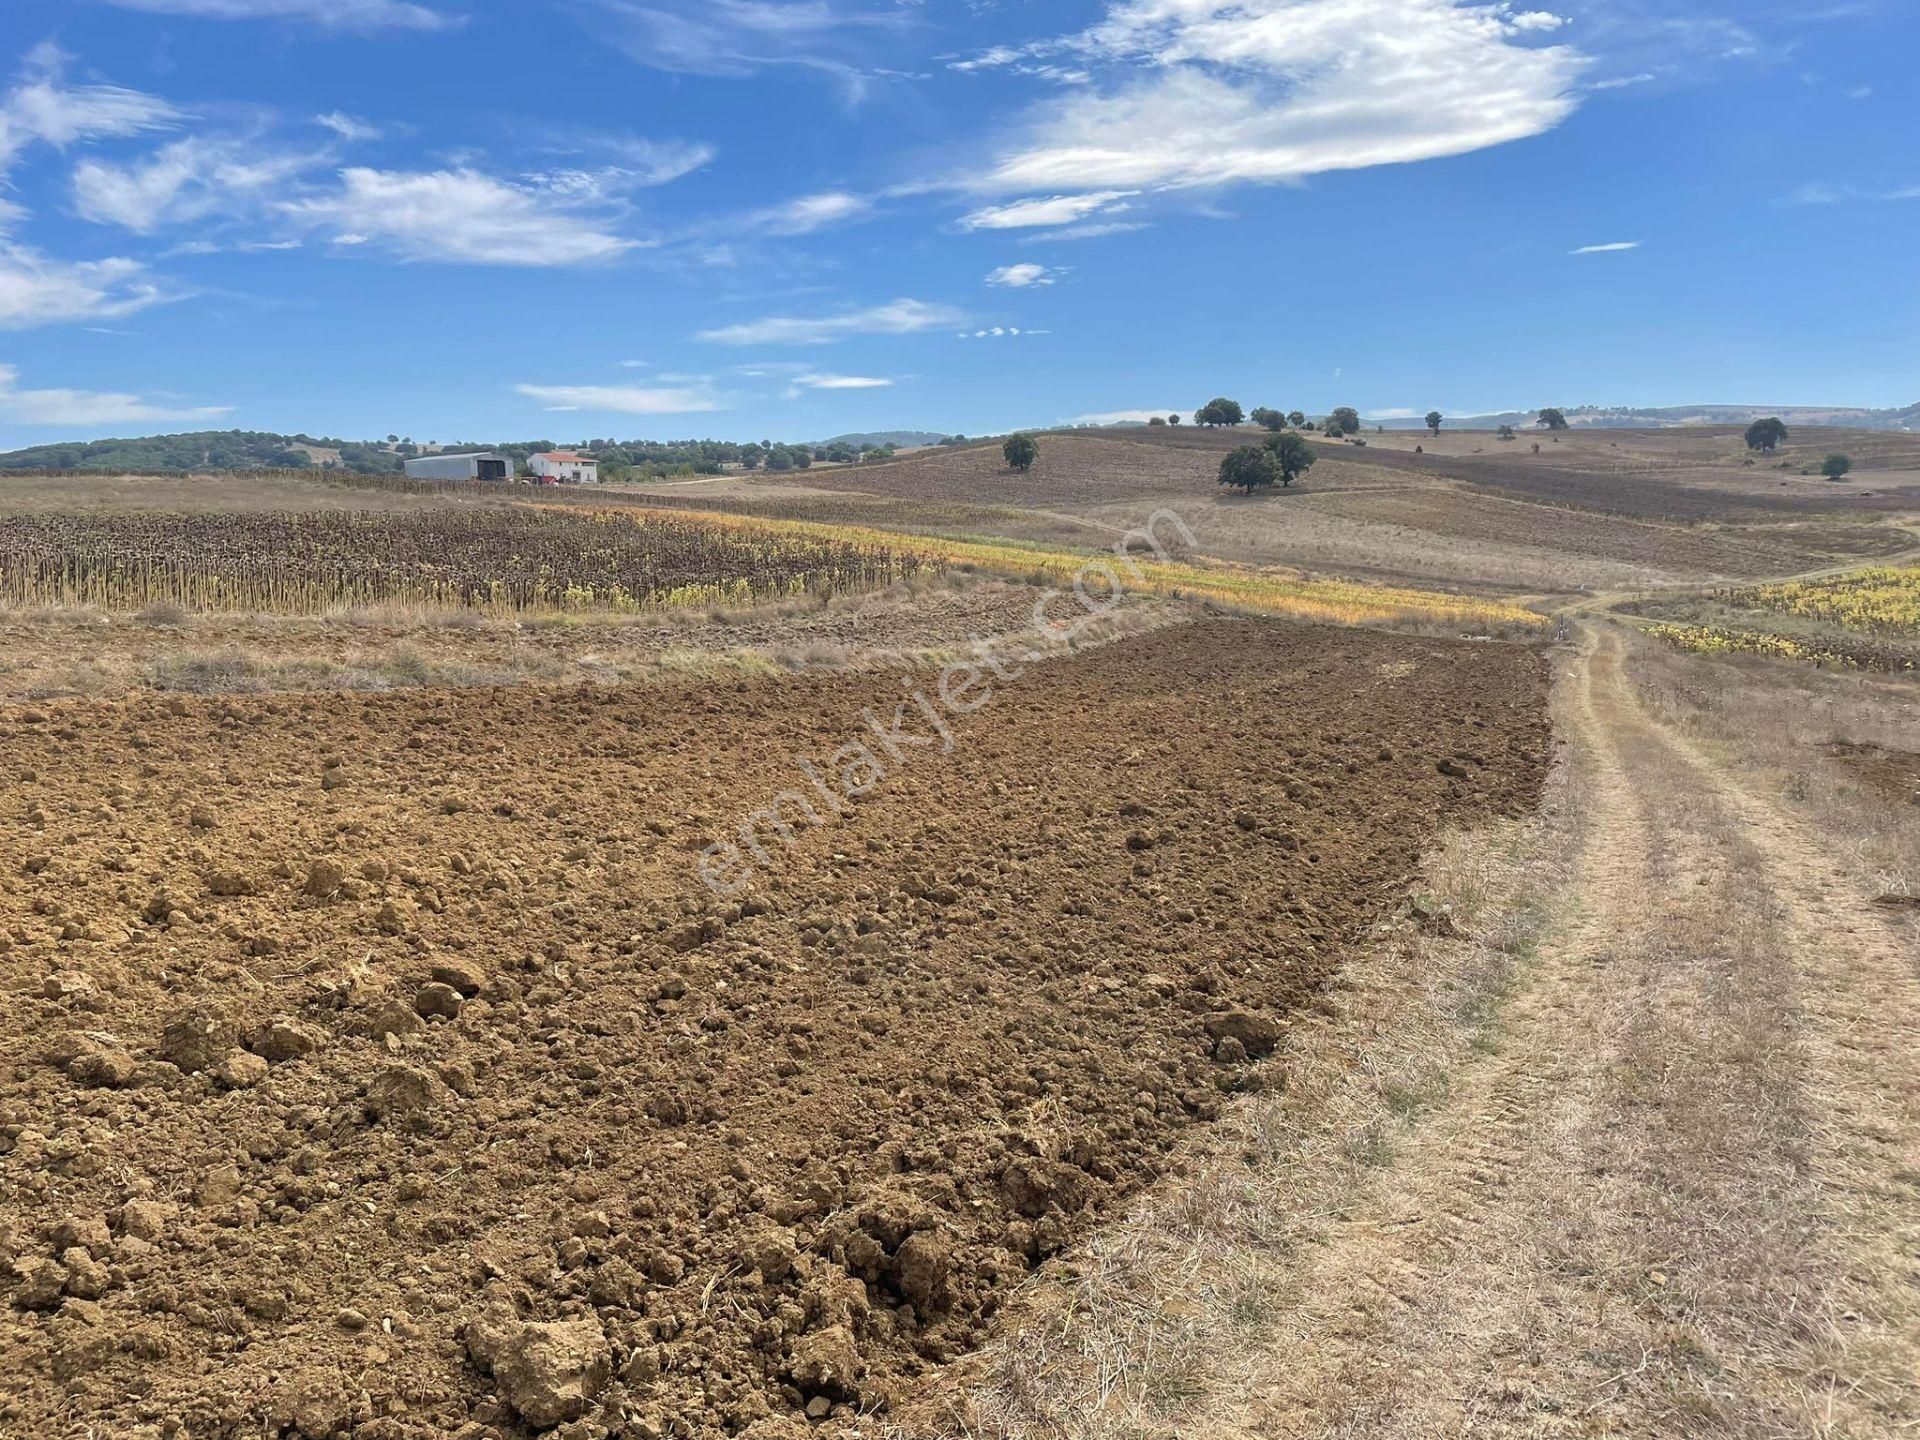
745, 218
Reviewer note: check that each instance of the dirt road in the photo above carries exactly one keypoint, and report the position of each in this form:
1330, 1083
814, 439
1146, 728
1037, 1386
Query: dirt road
1676, 1191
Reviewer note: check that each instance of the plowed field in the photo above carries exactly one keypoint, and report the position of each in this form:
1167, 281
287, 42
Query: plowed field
379, 1066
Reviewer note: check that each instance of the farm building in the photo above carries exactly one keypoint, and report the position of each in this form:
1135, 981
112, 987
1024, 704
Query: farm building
565, 466
460, 467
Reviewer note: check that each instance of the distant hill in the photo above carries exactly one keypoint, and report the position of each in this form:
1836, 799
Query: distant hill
205, 450
1614, 417
899, 439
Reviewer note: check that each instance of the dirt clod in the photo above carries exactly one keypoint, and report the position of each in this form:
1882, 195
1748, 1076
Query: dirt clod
549, 1373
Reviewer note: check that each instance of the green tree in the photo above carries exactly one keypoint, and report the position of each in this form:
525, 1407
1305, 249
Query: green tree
750, 457
1343, 421
1296, 418
1173, 419
1267, 418
1249, 468
1219, 411
1834, 466
1506, 432
779, 460
1434, 417
1021, 451
1552, 419
1292, 456
1766, 434
1157, 420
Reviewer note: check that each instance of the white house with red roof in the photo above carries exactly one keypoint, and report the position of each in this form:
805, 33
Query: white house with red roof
564, 467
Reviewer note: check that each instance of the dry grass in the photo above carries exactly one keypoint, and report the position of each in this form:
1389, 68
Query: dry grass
1138, 1332
1780, 724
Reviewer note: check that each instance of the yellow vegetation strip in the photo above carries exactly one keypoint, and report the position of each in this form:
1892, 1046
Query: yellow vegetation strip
1272, 592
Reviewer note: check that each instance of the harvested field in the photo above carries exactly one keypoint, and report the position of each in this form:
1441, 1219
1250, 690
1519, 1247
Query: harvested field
380, 1063
514, 557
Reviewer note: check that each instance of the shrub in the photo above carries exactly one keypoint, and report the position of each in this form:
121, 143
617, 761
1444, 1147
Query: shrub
1835, 466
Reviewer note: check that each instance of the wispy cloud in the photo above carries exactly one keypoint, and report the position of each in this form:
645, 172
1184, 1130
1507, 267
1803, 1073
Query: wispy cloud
743, 37
186, 180
89, 407
622, 399
1022, 276
42, 107
461, 216
840, 382
36, 289
1820, 193
348, 127
1206, 92
1093, 230
1118, 417
1047, 210
898, 317
999, 332
1609, 248
330, 14
808, 213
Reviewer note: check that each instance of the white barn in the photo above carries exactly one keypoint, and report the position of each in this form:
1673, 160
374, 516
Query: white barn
484, 466
564, 467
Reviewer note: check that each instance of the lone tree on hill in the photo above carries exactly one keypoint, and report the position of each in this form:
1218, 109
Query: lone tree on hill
1250, 468
1267, 418
1834, 466
1505, 432
1434, 417
1156, 420
1173, 419
1766, 434
1343, 421
1291, 455
1552, 419
1219, 411
1021, 451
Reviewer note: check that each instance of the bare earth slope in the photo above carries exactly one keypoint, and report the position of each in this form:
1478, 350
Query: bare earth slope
350, 1036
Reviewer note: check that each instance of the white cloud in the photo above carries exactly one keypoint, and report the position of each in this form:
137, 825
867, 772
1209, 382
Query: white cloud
1607, 249
1821, 193
42, 107
1538, 21
460, 216
187, 180
1206, 92
814, 212
1022, 276
1093, 230
348, 127
898, 317
332, 14
88, 407
36, 289
741, 37
621, 399
1046, 210
841, 382
1001, 332
1118, 417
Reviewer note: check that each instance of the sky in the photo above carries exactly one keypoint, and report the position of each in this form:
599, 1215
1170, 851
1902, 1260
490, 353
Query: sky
574, 219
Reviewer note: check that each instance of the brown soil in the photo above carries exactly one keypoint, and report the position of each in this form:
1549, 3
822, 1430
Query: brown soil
1893, 773
650, 1157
